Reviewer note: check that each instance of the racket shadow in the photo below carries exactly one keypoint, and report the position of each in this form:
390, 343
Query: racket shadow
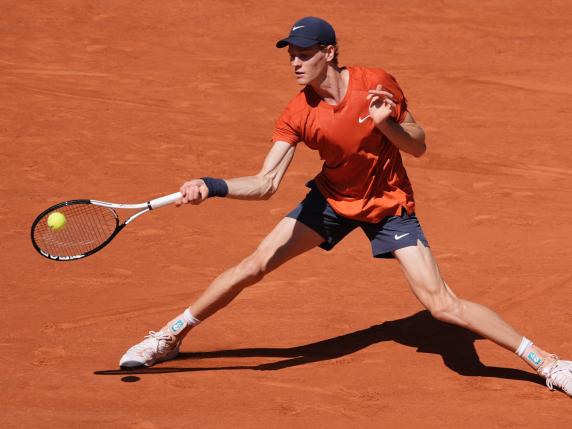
454, 344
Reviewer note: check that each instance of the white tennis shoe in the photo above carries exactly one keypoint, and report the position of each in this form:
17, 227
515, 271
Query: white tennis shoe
558, 374
156, 347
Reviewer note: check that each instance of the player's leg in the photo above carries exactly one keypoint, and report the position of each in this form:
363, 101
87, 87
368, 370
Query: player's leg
426, 282
313, 222
287, 240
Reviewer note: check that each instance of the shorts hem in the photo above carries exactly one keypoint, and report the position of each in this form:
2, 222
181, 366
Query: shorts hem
326, 245
388, 253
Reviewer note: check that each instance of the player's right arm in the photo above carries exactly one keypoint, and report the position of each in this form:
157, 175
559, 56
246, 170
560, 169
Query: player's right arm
259, 187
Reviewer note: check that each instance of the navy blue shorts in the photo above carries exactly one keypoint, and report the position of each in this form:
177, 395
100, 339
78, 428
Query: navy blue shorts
386, 236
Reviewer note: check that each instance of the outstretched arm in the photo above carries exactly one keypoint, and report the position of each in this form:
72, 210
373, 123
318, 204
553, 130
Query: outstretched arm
259, 187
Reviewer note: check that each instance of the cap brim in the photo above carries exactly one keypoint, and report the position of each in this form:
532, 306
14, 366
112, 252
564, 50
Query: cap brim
296, 41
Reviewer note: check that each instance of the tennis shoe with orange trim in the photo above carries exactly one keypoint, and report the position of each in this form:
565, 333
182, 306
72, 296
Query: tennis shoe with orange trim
558, 374
156, 347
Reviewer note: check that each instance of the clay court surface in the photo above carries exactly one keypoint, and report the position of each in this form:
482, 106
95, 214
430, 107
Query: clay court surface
124, 101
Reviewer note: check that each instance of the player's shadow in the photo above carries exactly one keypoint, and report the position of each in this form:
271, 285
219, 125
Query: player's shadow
428, 335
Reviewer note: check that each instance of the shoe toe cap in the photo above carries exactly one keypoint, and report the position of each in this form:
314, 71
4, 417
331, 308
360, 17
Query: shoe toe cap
131, 365
131, 362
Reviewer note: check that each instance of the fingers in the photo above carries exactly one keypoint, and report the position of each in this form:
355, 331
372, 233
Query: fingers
381, 106
379, 91
377, 101
384, 94
192, 192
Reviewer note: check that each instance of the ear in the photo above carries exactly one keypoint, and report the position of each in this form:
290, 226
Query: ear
330, 52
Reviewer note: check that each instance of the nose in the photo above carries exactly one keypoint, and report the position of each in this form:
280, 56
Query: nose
295, 61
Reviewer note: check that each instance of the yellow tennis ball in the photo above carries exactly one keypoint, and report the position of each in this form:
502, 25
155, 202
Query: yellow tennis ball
56, 221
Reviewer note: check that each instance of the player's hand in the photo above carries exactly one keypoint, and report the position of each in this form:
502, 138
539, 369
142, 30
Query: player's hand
193, 192
381, 104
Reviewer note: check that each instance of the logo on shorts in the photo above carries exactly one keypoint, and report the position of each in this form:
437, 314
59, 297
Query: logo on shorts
399, 237
177, 326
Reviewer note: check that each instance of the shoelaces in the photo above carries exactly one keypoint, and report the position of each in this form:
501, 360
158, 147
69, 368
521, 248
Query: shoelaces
159, 341
560, 375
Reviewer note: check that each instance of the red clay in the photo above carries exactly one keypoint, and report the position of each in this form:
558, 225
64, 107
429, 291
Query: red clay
123, 102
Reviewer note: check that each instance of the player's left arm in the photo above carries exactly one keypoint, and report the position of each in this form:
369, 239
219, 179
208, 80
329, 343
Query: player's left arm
408, 135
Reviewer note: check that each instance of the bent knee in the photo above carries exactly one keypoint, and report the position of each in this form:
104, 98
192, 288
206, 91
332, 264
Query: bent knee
253, 268
446, 309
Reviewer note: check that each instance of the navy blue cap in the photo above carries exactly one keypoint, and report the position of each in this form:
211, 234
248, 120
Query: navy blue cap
309, 31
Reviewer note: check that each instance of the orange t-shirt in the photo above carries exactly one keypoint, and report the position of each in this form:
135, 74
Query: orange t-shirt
363, 176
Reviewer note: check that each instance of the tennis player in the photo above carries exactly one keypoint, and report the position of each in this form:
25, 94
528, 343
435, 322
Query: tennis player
358, 120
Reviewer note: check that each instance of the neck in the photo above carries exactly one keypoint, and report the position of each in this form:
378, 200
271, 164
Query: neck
333, 85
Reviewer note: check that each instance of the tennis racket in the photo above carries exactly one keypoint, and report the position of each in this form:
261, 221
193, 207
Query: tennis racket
88, 226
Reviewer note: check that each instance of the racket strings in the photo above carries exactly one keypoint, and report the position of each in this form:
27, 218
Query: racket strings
87, 227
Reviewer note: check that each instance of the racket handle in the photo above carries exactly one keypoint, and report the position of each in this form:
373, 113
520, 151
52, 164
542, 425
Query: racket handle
163, 201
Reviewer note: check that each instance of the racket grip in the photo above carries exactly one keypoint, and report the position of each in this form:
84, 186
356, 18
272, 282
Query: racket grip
163, 201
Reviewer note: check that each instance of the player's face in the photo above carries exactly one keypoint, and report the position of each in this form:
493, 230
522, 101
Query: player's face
309, 64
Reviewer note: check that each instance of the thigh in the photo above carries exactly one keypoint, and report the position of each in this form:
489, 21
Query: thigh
315, 212
422, 273
288, 239
394, 233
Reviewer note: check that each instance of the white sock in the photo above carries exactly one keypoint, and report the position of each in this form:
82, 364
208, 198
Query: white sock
189, 318
182, 322
524, 344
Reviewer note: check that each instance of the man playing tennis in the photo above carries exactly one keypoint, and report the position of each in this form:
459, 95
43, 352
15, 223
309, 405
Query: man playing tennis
358, 121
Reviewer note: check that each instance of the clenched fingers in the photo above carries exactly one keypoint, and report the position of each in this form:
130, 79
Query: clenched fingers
192, 192
378, 101
379, 92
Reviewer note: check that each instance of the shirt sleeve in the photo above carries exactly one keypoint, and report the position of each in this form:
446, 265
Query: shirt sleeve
286, 127
401, 102
390, 84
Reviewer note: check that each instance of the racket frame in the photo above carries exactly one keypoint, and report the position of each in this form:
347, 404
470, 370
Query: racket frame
147, 206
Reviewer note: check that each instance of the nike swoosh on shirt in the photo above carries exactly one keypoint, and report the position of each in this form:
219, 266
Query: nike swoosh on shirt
399, 237
362, 120
295, 28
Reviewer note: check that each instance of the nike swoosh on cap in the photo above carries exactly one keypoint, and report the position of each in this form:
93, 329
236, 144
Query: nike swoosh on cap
296, 28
